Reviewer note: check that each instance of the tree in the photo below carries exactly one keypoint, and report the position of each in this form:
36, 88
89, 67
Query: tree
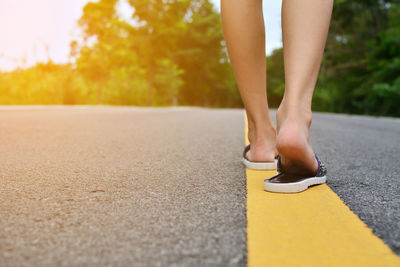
360, 70
172, 52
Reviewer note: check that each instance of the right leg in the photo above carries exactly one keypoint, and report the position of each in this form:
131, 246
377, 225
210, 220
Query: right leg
305, 25
244, 33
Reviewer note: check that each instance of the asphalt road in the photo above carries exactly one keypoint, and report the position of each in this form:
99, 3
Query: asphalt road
125, 186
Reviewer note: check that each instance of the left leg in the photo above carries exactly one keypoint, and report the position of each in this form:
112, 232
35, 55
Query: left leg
244, 33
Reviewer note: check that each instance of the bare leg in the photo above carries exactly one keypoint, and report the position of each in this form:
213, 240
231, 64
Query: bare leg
244, 34
305, 25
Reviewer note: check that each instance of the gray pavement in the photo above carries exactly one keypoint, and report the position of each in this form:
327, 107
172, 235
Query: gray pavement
101, 186
122, 186
362, 155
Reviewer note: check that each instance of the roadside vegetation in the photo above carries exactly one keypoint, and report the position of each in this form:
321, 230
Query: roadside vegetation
173, 53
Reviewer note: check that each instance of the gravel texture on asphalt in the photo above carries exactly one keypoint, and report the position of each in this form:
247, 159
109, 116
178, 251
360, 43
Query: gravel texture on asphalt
109, 186
97, 186
362, 155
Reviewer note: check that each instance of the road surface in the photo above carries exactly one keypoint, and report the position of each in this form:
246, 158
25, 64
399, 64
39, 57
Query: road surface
91, 186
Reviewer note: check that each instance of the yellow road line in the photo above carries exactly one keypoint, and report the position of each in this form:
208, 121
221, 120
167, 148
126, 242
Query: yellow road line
312, 228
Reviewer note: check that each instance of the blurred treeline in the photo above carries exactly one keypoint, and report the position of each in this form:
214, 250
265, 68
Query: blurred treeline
169, 53
172, 53
360, 72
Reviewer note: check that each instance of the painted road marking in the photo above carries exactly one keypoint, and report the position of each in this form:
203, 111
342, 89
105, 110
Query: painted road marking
312, 228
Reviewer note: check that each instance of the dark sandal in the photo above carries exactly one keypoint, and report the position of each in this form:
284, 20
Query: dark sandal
295, 179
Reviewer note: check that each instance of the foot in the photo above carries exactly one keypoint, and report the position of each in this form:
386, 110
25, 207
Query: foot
262, 145
293, 141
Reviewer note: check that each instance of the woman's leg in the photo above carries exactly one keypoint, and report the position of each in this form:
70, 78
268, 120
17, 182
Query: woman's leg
244, 33
305, 25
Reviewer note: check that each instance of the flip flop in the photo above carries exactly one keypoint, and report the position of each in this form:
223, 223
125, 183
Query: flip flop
295, 179
258, 165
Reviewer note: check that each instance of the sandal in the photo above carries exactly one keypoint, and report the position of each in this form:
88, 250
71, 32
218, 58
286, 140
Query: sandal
258, 165
295, 179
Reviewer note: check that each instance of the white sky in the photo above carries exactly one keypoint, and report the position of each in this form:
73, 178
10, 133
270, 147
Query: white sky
27, 27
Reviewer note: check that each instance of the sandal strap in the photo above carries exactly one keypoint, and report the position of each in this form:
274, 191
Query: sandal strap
298, 170
246, 148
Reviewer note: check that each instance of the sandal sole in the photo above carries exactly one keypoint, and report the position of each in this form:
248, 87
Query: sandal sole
269, 166
293, 187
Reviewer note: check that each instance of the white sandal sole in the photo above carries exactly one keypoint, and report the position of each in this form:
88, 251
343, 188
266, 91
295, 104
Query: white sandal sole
293, 187
269, 166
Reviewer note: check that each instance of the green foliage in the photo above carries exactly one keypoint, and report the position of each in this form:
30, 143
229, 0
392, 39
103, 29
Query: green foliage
172, 52
361, 68
43, 84
360, 72
275, 78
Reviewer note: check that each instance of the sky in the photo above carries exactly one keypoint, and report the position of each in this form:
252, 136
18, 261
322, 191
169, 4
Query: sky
34, 31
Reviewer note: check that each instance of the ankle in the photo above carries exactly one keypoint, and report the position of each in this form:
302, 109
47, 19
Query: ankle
260, 126
263, 144
261, 133
294, 111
